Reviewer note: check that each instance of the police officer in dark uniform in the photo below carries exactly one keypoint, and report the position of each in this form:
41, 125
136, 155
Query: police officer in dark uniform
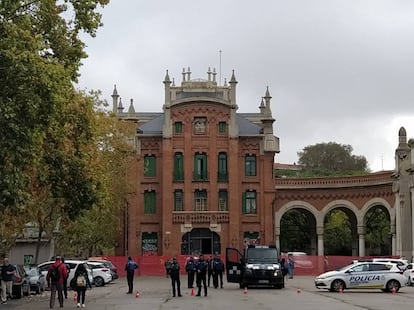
201, 268
175, 277
218, 268
190, 268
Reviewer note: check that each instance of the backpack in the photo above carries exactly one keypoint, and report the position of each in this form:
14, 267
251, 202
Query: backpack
55, 274
81, 281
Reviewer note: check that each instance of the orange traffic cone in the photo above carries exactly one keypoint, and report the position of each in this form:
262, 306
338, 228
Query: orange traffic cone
75, 297
341, 290
192, 292
299, 291
137, 294
394, 290
245, 290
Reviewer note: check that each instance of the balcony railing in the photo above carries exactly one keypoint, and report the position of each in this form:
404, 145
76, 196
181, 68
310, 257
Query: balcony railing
189, 217
200, 177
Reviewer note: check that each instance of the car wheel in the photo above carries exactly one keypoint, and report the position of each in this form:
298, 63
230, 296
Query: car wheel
393, 285
99, 281
337, 285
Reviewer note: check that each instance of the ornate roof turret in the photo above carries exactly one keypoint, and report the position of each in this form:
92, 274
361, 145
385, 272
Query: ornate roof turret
131, 109
262, 106
233, 78
115, 97
167, 78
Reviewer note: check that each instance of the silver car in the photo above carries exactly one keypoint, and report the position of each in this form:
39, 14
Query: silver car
363, 275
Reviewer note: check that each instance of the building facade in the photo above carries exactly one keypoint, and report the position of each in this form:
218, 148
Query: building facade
203, 180
203, 172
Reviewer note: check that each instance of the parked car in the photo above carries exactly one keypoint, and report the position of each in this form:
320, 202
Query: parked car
101, 274
400, 262
73, 264
409, 274
363, 275
110, 265
36, 279
20, 283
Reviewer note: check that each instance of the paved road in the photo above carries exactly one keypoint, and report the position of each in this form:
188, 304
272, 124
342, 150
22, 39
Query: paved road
155, 294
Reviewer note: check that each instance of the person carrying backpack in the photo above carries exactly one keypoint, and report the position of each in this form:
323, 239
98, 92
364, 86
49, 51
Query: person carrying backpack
130, 270
81, 283
56, 275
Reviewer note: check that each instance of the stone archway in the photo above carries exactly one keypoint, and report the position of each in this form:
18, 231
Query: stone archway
200, 240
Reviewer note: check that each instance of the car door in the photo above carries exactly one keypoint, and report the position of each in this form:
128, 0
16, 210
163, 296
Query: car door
354, 276
233, 265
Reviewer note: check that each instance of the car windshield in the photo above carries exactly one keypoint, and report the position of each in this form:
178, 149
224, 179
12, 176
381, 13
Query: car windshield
345, 267
262, 254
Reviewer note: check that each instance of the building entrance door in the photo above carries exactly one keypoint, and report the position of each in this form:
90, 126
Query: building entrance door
200, 241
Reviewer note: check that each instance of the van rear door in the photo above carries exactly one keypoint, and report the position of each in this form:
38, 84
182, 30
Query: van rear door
234, 261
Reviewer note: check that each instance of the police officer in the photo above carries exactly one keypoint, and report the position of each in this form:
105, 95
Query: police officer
190, 268
218, 268
201, 268
175, 277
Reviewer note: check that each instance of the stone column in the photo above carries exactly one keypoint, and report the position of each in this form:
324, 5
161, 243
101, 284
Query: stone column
361, 240
319, 232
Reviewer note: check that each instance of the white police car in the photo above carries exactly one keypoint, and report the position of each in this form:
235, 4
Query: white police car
363, 275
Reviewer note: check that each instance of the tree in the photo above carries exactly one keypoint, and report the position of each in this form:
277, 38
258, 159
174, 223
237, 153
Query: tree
338, 239
331, 158
40, 56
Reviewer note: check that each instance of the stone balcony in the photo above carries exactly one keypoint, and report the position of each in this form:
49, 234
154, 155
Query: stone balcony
193, 217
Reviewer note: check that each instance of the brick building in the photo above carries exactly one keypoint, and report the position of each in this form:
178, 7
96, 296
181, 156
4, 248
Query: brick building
202, 173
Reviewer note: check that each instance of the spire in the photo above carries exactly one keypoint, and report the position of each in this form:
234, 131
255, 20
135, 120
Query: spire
209, 74
262, 106
188, 74
183, 74
167, 78
120, 106
131, 109
115, 97
267, 97
233, 78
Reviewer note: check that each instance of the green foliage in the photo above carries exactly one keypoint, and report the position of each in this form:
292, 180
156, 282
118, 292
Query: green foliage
331, 159
295, 231
45, 123
337, 234
378, 238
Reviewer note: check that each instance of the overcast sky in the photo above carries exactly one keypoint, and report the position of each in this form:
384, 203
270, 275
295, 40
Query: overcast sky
340, 71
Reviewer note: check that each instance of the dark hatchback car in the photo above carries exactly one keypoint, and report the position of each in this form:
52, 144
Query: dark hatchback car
20, 283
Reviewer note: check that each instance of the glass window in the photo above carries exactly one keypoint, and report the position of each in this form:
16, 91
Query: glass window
250, 165
222, 127
222, 200
200, 167
222, 167
178, 127
178, 167
200, 200
149, 166
178, 200
249, 202
149, 202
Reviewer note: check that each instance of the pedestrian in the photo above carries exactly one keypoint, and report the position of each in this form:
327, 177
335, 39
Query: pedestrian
167, 265
81, 283
218, 269
209, 269
201, 268
190, 268
55, 276
7, 273
130, 267
175, 277
65, 281
291, 266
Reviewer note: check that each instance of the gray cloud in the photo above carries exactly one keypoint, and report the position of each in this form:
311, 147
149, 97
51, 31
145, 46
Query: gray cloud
337, 70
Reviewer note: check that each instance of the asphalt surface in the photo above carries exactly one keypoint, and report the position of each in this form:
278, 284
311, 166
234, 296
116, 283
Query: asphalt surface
155, 294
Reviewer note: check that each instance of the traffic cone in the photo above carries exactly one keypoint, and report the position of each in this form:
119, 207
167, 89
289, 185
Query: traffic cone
137, 294
245, 290
75, 297
341, 290
192, 292
394, 290
299, 291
